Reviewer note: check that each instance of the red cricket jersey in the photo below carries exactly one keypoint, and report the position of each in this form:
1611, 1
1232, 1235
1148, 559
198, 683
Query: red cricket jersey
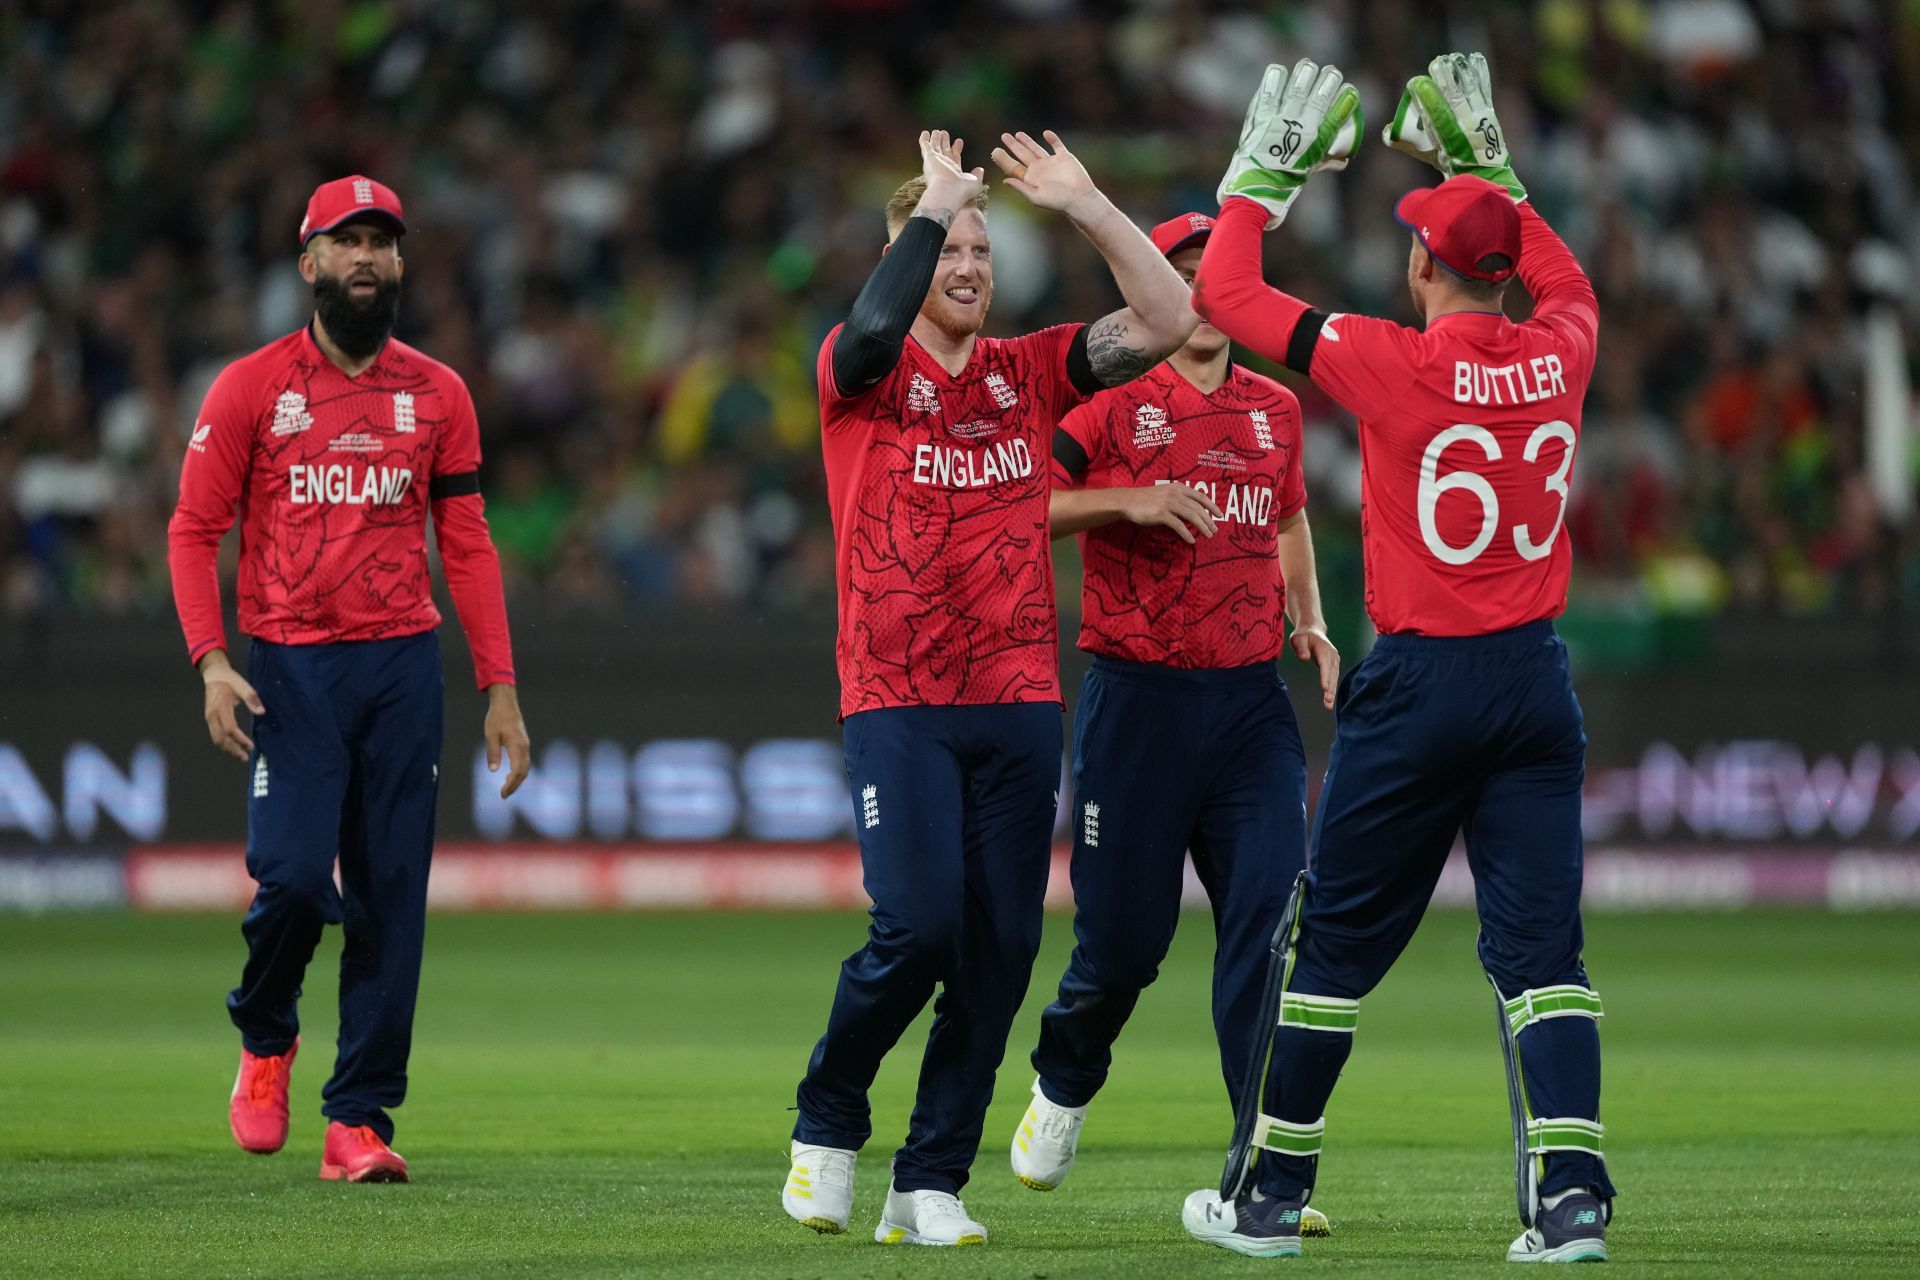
1467, 430
938, 486
1148, 596
330, 477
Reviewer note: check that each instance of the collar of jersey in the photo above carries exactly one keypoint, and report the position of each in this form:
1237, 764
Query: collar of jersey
1462, 315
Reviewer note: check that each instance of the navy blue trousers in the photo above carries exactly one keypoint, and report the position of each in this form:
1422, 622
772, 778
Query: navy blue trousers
954, 807
1166, 761
1438, 736
346, 763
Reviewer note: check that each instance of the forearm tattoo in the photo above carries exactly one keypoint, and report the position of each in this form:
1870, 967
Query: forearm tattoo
1111, 356
944, 217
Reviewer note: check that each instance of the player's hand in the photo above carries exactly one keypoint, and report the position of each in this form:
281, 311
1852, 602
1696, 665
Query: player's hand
506, 732
1446, 119
226, 689
1310, 644
1050, 176
1179, 507
1299, 122
949, 185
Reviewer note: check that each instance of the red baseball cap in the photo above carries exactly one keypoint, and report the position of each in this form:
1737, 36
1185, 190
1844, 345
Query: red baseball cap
1183, 232
344, 200
1462, 222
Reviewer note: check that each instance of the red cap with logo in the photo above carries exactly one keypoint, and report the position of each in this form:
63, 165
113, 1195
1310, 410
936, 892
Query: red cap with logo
1183, 232
1464, 222
350, 199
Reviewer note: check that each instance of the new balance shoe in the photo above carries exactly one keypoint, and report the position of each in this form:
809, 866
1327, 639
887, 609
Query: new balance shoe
355, 1153
1256, 1225
1045, 1142
1574, 1230
257, 1110
819, 1191
926, 1217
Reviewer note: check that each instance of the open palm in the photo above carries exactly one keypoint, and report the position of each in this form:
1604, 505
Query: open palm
1049, 176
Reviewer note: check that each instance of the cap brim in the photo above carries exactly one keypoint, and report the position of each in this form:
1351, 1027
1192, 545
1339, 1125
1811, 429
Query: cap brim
361, 213
1406, 211
1187, 241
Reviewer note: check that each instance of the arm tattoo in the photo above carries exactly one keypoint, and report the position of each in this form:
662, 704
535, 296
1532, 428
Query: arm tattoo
944, 217
1112, 358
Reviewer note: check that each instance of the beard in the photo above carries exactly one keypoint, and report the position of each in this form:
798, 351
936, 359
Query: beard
358, 328
959, 323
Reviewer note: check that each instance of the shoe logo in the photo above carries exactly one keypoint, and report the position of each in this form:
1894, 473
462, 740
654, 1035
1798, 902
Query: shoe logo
1290, 1215
1585, 1218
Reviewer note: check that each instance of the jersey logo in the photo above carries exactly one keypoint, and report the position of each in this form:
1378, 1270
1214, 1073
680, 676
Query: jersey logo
290, 416
921, 395
1327, 330
1003, 395
403, 412
362, 191
1262, 432
1150, 427
198, 442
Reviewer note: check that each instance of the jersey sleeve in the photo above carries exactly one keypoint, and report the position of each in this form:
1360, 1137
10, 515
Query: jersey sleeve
1078, 441
1364, 363
1563, 297
1292, 497
213, 474
467, 554
840, 412
1045, 355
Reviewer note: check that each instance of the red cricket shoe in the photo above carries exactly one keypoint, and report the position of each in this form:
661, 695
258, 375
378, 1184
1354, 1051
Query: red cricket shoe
257, 1113
356, 1154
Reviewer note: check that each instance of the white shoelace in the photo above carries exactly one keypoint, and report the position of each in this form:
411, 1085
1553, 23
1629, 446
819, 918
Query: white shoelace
833, 1169
1057, 1124
939, 1206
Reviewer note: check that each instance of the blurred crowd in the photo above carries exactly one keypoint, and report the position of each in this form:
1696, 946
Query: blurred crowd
632, 221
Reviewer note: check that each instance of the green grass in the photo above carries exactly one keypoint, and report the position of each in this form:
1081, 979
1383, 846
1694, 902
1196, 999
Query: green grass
608, 1095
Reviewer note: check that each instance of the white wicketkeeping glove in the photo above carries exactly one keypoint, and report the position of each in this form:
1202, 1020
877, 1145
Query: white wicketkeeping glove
1298, 123
1446, 119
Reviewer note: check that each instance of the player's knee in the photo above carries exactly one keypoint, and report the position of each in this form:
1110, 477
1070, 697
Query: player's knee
305, 888
925, 938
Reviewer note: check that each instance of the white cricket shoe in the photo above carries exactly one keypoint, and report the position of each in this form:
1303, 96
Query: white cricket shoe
1045, 1142
819, 1191
926, 1217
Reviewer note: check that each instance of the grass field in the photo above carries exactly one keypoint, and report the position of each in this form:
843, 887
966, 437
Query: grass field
607, 1095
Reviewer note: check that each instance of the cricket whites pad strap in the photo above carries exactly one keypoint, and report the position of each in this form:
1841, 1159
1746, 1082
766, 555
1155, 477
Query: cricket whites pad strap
1563, 1133
1540, 1003
1276, 1135
1319, 1013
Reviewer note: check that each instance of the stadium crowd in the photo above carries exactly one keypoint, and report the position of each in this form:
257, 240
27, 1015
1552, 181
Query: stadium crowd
631, 222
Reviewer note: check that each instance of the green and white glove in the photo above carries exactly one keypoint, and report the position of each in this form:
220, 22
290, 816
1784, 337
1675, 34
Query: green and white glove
1298, 123
1446, 119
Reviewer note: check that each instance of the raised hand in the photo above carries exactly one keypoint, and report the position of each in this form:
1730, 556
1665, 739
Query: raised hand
949, 185
1446, 119
1050, 176
1298, 123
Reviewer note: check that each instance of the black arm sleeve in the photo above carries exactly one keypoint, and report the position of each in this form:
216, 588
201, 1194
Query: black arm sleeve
1080, 368
1068, 453
1306, 336
876, 330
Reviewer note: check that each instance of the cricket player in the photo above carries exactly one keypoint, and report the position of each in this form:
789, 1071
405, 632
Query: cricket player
1462, 718
333, 444
936, 442
1186, 489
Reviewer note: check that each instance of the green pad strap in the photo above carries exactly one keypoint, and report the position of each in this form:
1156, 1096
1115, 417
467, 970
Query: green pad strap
1274, 1134
1563, 1133
1319, 1013
1533, 1005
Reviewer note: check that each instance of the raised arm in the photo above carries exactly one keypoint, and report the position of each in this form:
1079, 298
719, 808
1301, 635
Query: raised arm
876, 329
1157, 320
1231, 295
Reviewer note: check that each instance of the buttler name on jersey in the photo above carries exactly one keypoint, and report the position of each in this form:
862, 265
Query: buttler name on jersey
346, 484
